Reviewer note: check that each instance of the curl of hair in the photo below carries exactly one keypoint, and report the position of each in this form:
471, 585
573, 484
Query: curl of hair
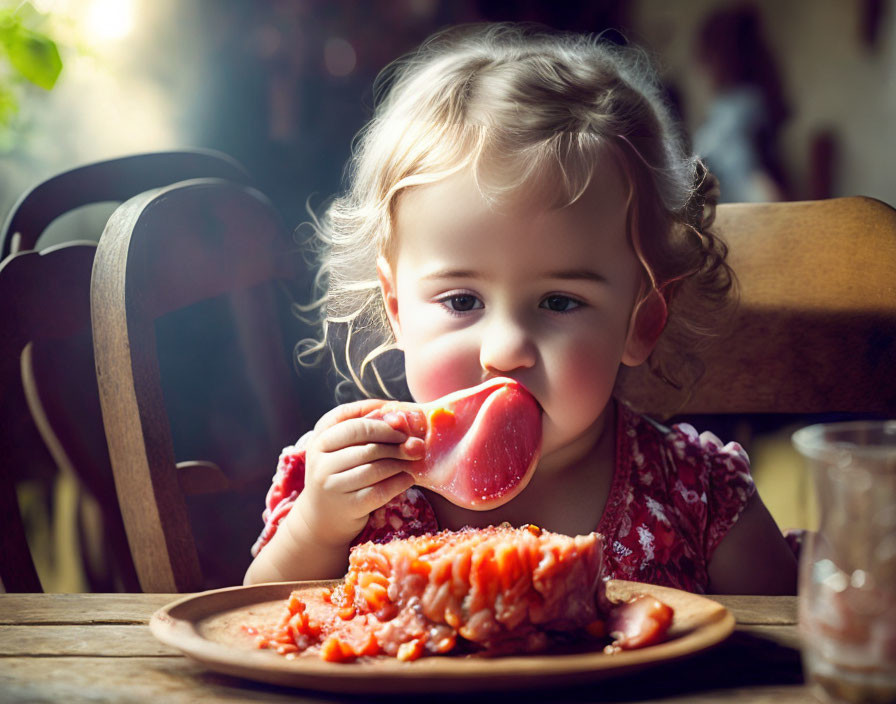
695, 279
520, 108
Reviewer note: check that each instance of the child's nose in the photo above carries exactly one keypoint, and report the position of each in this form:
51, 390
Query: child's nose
506, 345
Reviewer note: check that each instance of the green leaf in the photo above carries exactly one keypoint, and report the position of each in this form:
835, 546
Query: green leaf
35, 56
9, 105
9, 109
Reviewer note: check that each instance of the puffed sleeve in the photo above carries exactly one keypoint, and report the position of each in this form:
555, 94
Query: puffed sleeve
720, 475
407, 515
288, 482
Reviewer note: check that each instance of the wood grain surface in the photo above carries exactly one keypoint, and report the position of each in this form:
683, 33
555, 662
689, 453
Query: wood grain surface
97, 647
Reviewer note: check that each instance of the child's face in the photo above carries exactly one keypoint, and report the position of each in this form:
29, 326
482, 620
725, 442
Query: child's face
544, 296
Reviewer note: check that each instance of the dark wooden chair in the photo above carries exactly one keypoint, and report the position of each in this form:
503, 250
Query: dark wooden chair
50, 414
163, 252
50, 423
110, 180
815, 331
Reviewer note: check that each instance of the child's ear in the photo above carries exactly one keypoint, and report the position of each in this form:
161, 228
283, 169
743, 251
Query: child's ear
390, 295
644, 329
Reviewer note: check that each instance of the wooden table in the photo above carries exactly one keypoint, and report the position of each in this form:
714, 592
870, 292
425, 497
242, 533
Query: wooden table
97, 647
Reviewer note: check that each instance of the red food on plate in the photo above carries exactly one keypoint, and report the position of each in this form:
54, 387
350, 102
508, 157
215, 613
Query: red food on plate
495, 590
638, 623
482, 444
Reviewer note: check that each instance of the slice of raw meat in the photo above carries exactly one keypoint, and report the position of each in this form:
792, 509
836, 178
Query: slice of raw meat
638, 623
495, 590
482, 444
503, 588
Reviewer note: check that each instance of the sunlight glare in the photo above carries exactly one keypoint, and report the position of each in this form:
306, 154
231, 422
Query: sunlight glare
110, 20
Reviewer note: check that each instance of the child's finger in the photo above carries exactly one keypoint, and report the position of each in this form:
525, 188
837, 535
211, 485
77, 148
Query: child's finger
409, 419
362, 477
413, 448
354, 456
358, 431
373, 497
346, 411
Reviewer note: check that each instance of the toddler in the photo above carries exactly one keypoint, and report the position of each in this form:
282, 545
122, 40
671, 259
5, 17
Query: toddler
521, 206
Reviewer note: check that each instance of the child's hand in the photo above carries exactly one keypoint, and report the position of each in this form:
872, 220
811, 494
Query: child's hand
353, 466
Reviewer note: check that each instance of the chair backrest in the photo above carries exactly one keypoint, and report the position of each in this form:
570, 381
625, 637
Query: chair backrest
50, 411
108, 180
49, 397
815, 331
161, 252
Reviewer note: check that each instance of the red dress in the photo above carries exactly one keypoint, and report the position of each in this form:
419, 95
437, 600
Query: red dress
674, 496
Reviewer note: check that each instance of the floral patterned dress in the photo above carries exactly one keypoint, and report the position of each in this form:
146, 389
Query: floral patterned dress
674, 495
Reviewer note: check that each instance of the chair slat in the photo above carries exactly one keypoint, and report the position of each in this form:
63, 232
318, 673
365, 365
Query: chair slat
162, 251
815, 330
45, 299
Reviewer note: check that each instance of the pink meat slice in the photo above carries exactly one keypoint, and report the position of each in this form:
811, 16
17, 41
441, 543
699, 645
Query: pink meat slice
482, 444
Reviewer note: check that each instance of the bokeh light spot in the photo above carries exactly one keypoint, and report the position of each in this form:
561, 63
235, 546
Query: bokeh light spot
339, 56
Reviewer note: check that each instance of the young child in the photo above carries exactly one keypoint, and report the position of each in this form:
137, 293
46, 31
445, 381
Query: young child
521, 206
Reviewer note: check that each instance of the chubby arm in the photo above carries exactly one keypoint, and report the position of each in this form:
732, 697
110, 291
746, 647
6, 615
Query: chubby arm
353, 466
293, 554
753, 558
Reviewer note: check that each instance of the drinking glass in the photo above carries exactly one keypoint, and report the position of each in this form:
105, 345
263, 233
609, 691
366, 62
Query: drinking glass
847, 588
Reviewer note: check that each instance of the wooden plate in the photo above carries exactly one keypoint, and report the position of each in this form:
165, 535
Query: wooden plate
209, 628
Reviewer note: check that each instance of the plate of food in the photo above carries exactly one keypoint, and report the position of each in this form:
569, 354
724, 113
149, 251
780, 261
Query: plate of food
472, 610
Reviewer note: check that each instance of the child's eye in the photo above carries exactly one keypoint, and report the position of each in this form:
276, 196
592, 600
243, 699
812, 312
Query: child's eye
560, 304
461, 302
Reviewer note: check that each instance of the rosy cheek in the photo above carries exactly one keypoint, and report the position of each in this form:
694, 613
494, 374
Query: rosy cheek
579, 368
432, 373
584, 382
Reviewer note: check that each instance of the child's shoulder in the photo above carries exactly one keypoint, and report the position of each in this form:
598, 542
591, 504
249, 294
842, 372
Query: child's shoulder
705, 482
644, 440
676, 494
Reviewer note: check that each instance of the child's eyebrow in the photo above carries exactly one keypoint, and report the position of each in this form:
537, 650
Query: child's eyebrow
576, 275
451, 274
563, 274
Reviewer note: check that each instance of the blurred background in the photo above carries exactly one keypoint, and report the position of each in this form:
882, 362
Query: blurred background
283, 85
785, 99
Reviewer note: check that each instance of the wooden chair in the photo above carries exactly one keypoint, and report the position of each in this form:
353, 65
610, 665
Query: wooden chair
815, 331
113, 180
46, 312
161, 252
51, 419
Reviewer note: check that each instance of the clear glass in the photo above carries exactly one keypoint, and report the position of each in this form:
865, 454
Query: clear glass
847, 591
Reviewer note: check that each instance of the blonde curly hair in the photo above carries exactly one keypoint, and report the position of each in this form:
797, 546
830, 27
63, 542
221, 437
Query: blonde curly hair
520, 107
